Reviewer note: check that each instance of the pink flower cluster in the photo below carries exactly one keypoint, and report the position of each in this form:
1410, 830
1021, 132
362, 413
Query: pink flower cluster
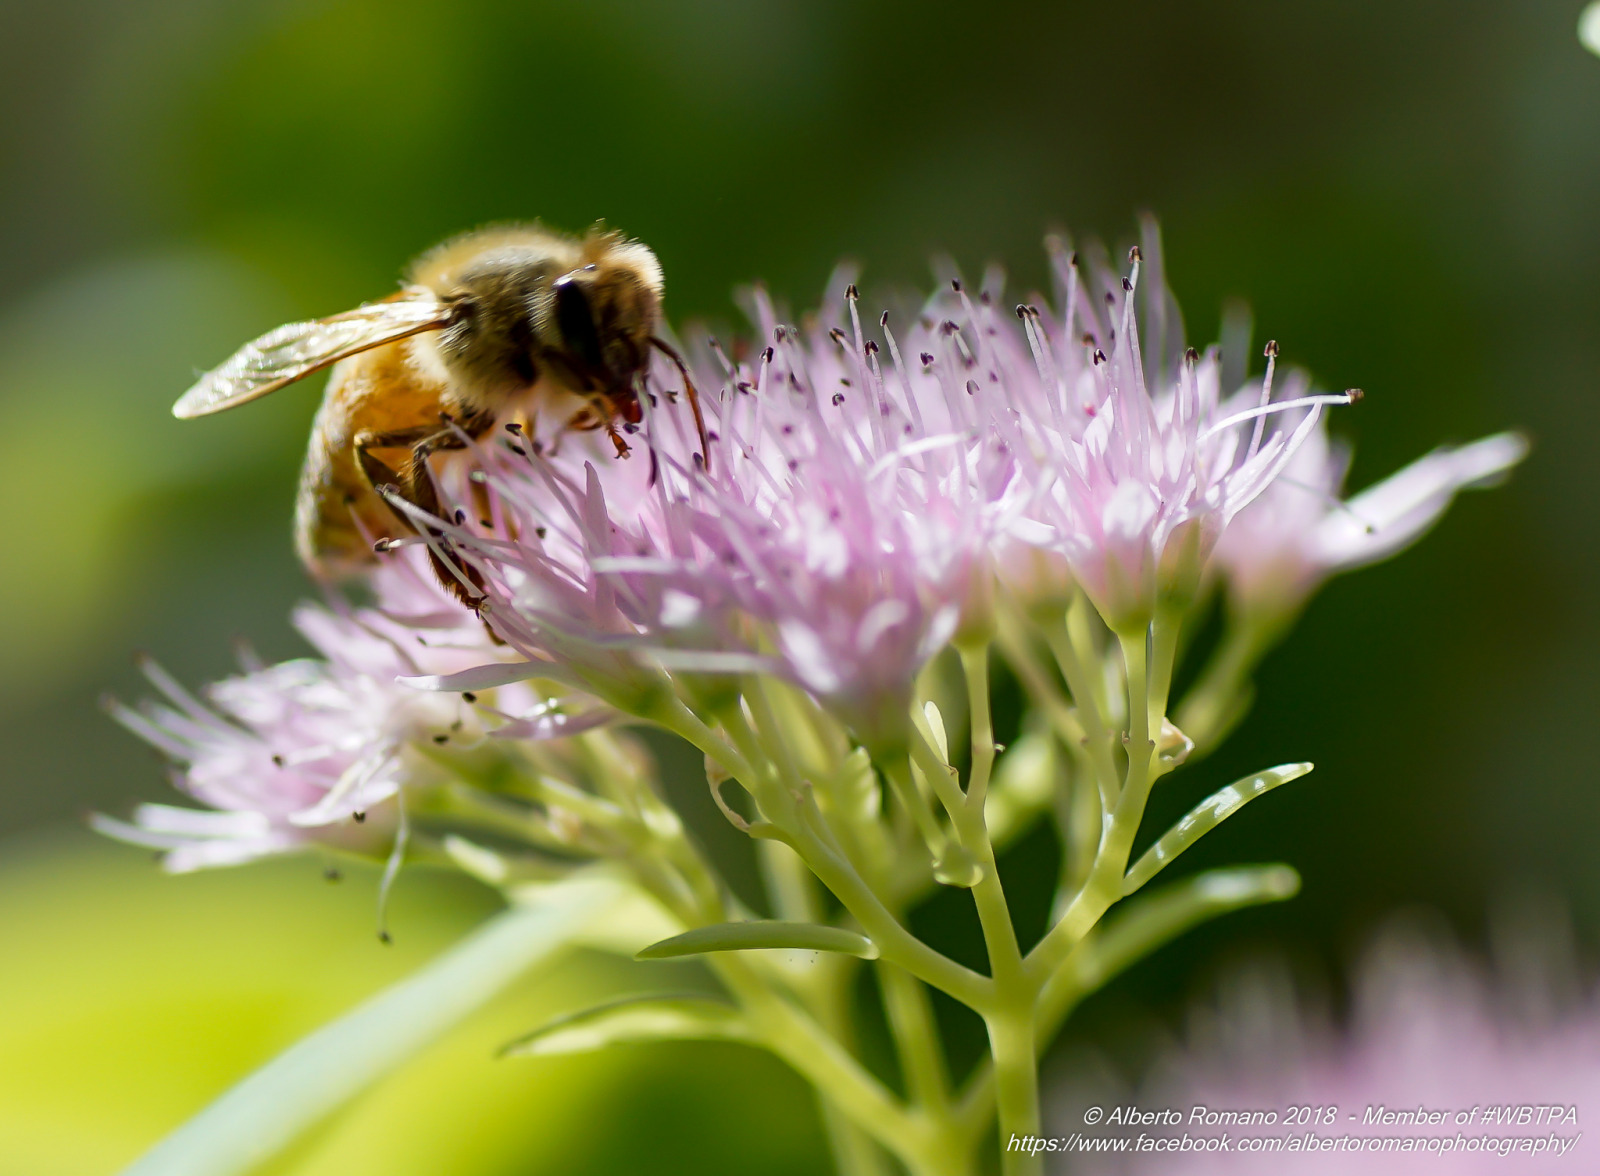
869, 493
1438, 1071
316, 751
864, 490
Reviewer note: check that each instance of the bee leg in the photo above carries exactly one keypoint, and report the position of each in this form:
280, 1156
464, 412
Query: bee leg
416, 487
379, 474
421, 491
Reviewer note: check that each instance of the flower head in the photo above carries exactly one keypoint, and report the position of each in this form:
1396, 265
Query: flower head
1426, 1032
861, 496
315, 751
1298, 533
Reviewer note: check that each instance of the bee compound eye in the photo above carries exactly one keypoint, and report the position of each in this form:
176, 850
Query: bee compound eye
575, 320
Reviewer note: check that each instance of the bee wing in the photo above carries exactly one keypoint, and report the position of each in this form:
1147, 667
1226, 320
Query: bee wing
295, 350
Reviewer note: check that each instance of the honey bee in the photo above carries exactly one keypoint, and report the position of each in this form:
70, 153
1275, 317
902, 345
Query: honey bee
490, 327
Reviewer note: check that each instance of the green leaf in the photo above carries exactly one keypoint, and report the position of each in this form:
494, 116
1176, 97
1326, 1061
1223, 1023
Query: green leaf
762, 933
269, 1109
1204, 817
677, 1017
1150, 921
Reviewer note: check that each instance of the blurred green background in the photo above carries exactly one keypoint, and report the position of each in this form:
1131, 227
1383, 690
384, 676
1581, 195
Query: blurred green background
1407, 194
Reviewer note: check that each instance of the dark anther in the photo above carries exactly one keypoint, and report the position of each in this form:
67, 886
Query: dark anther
358, 817
441, 739
519, 450
1127, 285
468, 696
513, 427
846, 382
793, 465
1099, 356
277, 761
972, 387
780, 332
788, 430
1022, 311
948, 327
1355, 394
871, 347
1135, 256
1087, 340
766, 356
712, 436
385, 938
1271, 349
1190, 355
927, 360
461, 517
1073, 260
654, 403
851, 292
1033, 311
629, 427
838, 398
836, 335
540, 532
984, 299
1110, 299
955, 284
883, 319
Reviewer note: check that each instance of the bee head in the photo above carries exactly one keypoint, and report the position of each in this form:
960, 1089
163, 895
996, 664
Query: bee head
604, 311
527, 303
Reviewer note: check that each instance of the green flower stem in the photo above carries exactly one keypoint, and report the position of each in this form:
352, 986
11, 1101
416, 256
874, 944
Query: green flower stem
1016, 1069
1086, 697
1147, 924
919, 1142
935, 769
1164, 634
975, 667
1042, 690
1222, 694
855, 1153
789, 884
1009, 1014
1146, 710
916, 1039
896, 943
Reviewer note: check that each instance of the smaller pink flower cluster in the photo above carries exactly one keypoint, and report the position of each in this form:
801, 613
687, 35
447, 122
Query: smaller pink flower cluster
316, 751
1437, 1072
